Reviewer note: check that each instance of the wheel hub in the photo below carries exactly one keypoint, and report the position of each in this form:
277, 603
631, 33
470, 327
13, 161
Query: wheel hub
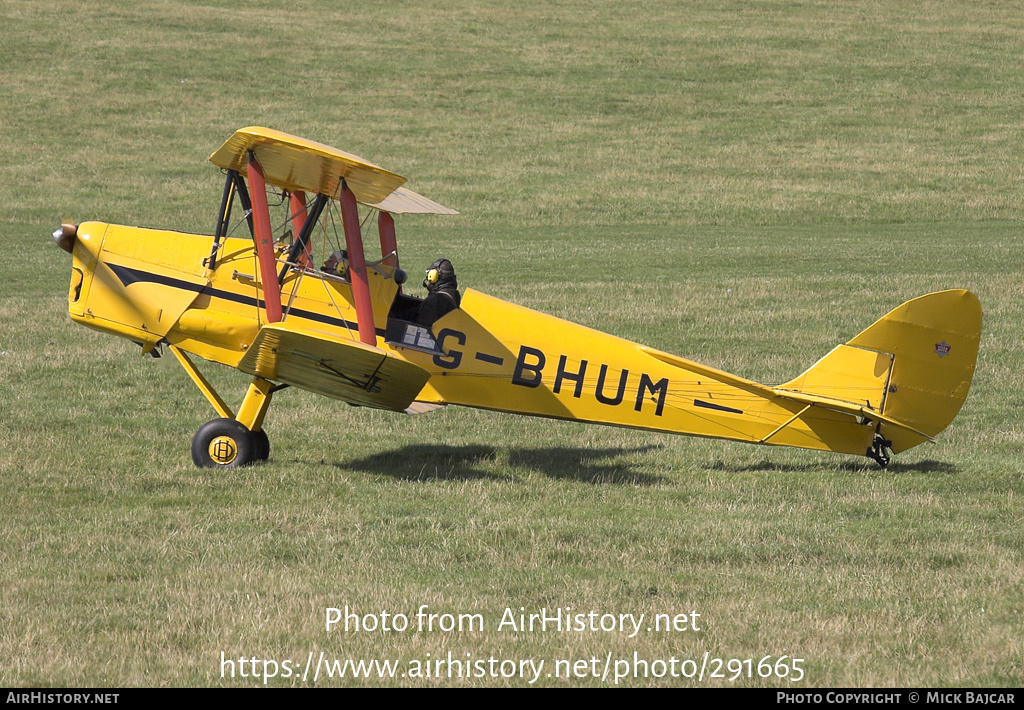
223, 450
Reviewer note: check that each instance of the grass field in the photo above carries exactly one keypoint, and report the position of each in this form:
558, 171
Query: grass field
745, 184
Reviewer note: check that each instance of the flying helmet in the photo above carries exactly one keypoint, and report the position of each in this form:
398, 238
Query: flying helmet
440, 273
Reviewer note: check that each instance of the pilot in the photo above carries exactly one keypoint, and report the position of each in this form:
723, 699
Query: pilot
442, 292
337, 263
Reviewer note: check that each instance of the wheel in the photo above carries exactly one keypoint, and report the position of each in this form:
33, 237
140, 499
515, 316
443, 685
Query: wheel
262, 445
223, 443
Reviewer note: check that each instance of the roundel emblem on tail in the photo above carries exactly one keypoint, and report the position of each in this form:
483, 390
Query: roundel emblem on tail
942, 349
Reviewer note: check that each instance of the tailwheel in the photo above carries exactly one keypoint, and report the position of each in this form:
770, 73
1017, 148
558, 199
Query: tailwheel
879, 451
224, 443
262, 445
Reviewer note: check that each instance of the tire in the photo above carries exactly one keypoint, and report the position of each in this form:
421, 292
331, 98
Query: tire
262, 445
223, 443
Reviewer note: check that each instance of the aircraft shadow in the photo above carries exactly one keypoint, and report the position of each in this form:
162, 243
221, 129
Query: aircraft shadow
923, 466
463, 463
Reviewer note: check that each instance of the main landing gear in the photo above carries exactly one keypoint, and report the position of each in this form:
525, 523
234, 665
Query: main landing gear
224, 442
231, 440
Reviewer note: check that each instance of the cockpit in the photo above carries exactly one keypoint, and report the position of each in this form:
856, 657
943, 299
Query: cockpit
323, 241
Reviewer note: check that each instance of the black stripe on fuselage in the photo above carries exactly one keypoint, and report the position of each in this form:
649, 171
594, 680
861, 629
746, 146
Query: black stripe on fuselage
492, 359
127, 276
716, 407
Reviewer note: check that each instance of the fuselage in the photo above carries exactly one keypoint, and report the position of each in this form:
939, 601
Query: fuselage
155, 286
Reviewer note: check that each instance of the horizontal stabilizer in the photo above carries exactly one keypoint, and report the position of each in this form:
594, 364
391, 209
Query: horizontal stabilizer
849, 408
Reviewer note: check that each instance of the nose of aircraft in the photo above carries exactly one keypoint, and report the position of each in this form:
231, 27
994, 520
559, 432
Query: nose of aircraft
65, 237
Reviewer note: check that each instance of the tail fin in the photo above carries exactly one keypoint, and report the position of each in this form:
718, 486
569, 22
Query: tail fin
913, 366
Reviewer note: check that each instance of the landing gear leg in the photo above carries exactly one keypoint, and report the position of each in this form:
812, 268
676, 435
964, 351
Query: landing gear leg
231, 440
251, 413
879, 451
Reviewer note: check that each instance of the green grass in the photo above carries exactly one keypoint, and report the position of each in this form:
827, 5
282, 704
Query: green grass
746, 184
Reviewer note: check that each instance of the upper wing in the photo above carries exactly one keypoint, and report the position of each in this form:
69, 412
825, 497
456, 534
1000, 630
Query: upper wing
343, 369
405, 201
293, 163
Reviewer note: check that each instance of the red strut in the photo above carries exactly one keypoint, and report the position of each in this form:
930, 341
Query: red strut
298, 207
264, 238
357, 266
388, 242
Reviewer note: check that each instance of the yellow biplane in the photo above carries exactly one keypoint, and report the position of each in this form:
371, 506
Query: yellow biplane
254, 296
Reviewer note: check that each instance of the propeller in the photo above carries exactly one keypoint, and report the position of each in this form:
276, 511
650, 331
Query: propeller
65, 236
